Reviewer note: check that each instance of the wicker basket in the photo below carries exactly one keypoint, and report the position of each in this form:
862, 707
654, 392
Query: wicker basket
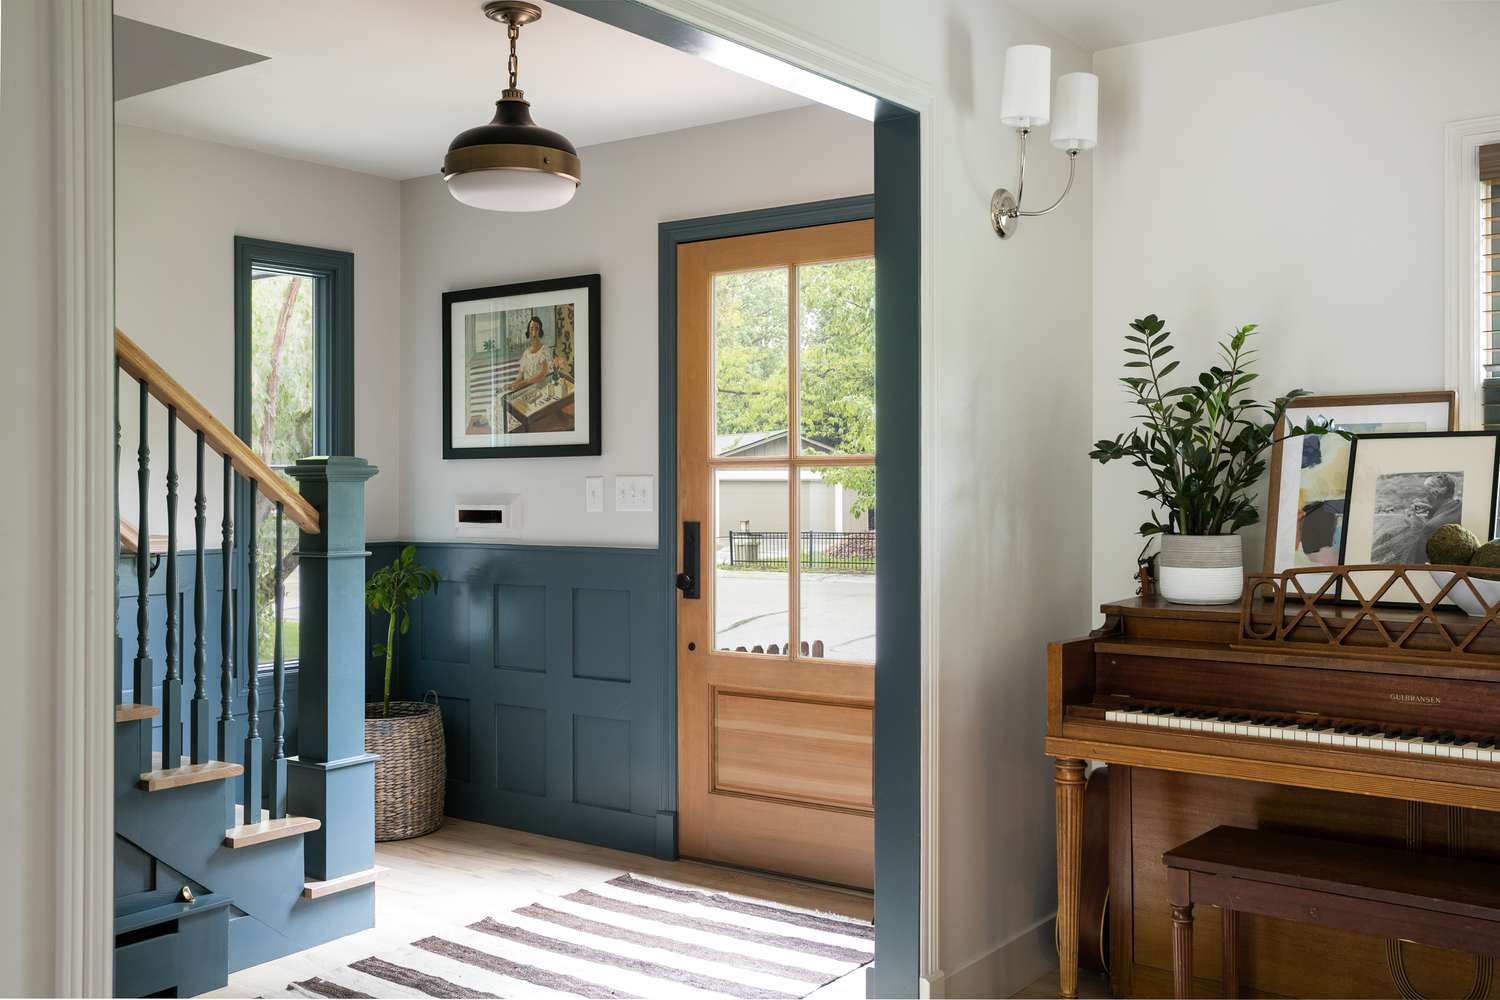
412, 773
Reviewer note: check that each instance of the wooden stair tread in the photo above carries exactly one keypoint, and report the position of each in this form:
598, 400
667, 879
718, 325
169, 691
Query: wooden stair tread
266, 829
129, 713
327, 887
188, 773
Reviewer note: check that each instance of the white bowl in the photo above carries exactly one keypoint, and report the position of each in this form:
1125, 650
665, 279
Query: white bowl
1464, 597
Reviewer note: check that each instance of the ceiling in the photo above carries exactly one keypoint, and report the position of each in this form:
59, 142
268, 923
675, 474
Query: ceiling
382, 86
1103, 24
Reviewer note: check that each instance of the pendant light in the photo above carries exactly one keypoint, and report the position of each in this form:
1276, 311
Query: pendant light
512, 164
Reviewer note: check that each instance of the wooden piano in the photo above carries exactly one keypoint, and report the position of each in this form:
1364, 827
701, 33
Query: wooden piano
1203, 727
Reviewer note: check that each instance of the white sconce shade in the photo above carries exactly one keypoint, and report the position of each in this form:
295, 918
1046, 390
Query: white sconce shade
1026, 89
1077, 123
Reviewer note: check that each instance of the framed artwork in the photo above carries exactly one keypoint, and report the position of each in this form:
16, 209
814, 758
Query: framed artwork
521, 370
1305, 506
1402, 488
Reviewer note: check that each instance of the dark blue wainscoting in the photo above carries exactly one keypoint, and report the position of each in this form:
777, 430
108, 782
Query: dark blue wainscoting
157, 615
550, 666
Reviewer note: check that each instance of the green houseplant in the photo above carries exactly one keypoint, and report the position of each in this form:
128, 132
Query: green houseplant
1203, 444
411, 774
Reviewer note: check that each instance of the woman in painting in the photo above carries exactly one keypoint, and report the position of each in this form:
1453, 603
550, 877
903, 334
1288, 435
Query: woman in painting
536, 360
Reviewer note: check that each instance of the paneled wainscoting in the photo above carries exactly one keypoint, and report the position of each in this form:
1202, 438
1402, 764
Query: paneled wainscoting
550, 663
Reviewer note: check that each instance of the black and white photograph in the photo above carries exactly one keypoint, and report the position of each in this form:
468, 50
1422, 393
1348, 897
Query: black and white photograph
521, 370
1401, 489
1409, 507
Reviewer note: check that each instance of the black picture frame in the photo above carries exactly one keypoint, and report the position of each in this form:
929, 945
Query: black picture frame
586, 283
1491, 513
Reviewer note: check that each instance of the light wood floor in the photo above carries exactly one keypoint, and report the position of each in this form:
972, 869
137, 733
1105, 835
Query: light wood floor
467, 871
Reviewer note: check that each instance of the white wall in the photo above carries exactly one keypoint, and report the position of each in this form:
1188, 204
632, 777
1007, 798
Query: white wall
1287, 171
28, 532
610, 228
179, 204
1010, 344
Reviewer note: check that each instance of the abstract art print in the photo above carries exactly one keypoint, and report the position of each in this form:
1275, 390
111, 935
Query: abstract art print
521, 370
1305, 510
1401, 489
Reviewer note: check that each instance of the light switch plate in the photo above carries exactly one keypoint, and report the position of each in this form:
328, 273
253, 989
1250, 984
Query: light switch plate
593, 494
634, 493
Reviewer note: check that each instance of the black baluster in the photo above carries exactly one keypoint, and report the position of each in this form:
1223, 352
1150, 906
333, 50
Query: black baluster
171, 684
226, 622
253, 763
142, 679
198, 716
278, 688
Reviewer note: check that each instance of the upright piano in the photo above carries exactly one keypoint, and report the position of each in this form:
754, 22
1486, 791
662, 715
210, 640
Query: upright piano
1201, 726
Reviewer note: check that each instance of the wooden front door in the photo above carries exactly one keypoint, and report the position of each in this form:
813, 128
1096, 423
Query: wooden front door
776, 621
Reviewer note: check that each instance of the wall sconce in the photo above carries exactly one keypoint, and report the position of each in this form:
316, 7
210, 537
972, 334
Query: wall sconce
1025, 104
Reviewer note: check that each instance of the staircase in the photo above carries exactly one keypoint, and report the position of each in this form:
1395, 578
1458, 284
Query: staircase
229, 851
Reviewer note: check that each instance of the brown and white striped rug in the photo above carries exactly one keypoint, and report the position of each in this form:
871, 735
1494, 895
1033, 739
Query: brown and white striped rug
630, 937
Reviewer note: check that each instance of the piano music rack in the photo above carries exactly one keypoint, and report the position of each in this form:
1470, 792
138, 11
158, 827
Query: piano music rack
1363, 610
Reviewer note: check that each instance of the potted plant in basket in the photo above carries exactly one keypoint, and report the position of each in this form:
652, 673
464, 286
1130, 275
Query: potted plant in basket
1203, 444
411, 775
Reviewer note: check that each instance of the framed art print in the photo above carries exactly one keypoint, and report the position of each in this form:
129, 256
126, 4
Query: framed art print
521, 370
1305, 505
1401, 489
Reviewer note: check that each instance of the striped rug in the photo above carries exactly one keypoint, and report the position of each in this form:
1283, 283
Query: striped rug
630, 937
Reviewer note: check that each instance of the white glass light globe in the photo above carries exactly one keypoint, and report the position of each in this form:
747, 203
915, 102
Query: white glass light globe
512, 190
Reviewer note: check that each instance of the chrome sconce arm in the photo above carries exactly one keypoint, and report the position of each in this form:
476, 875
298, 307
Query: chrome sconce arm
1005, 208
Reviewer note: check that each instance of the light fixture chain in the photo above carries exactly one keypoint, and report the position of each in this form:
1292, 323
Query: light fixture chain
514, 64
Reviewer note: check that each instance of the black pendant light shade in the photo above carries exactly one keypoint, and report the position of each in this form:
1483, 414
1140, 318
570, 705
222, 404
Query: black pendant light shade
512, 163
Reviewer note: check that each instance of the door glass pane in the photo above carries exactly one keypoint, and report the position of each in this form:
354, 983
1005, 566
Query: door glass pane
751, 593
836, 518
281, 431
836, 366
750, 363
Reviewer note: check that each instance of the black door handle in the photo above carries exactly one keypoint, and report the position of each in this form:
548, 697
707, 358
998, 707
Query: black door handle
687, 580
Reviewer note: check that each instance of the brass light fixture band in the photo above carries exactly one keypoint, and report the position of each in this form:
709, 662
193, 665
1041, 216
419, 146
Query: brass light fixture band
513, 156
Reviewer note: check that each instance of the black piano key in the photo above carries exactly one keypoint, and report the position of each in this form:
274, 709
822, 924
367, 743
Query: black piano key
1488, 744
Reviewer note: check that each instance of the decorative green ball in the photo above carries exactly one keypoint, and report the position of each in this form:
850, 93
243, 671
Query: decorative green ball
1488, 556
1455, 545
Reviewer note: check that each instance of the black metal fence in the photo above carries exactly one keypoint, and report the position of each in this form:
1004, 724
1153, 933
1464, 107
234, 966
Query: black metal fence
853, 550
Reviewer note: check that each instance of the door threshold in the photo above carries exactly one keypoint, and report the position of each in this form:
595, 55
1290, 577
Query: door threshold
813, 883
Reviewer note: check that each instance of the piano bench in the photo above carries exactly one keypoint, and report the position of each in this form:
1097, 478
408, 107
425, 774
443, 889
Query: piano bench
1427, 899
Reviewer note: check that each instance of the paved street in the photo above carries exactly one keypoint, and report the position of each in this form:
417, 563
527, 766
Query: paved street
837, 608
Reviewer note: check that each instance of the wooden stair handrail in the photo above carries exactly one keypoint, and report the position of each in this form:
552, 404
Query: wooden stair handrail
140, 366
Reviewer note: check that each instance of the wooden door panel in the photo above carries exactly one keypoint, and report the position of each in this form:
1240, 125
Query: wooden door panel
764, 742
774, 750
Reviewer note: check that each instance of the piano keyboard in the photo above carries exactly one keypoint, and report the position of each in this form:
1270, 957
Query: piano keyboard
1313, 729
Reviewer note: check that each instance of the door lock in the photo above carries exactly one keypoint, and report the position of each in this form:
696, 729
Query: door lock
687, 580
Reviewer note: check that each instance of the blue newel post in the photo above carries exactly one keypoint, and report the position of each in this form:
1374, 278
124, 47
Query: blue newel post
333, 779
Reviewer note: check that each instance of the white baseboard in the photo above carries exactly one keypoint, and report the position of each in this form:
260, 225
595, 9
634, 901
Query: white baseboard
1005, 969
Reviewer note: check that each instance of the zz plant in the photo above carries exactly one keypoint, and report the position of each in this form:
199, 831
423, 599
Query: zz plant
1202, 443
389, 590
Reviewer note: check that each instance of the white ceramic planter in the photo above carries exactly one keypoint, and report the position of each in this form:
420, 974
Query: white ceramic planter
1201, 569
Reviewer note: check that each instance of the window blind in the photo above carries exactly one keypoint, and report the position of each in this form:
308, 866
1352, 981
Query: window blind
1489, 279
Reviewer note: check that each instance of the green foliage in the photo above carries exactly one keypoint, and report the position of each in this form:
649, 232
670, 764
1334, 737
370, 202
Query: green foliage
389, 590
836, 313
1202, 442
281, 427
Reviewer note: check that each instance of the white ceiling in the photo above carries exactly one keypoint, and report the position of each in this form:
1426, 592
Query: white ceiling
382, 86
1103, 24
